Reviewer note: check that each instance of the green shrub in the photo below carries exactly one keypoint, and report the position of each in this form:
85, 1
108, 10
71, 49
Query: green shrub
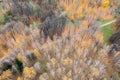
19, 65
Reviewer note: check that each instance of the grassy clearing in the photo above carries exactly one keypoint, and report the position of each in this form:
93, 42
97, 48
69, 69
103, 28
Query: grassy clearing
107, 30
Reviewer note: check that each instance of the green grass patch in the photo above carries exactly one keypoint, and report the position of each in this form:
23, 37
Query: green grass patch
2, 19
107, 31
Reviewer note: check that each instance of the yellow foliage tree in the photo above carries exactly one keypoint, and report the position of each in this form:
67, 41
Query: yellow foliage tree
19, 78
20, 56
36, 52
29, 73
105, 3
6, 75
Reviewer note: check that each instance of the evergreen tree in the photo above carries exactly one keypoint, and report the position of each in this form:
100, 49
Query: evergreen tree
19, 65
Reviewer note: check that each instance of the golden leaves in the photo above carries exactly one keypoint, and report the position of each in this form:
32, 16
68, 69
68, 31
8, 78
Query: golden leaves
36, 52
105, 3
29, 72
19, 78
20, 57
6, 75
